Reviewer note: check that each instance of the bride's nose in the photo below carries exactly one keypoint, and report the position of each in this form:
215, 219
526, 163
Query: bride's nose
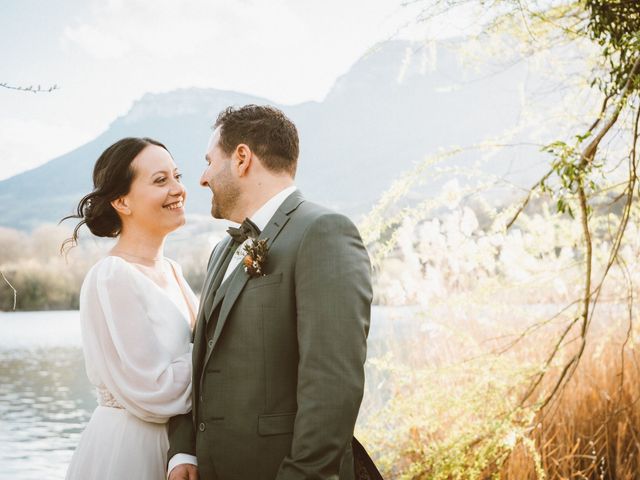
177, 189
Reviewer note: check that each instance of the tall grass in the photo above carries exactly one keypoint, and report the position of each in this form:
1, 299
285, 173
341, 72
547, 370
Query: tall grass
593, 430
445, 405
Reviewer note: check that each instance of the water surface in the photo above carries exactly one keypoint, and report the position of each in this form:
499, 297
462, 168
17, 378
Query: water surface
45, 396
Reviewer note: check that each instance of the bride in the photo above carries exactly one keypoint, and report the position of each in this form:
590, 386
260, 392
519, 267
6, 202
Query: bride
136, 312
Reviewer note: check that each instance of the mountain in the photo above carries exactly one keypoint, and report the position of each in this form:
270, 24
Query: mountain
398, 103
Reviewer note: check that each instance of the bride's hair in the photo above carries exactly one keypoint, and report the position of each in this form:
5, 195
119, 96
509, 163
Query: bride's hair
112, 177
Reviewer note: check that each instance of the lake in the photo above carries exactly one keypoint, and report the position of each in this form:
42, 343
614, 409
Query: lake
46, 399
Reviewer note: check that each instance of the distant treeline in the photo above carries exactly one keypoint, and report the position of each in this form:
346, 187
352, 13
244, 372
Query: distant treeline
46, 280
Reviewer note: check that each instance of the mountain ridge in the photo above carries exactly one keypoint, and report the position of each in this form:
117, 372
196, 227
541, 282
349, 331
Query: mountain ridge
388, 111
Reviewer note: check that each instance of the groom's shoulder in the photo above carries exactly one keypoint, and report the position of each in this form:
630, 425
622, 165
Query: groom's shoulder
309, 208
310, 211
310, 214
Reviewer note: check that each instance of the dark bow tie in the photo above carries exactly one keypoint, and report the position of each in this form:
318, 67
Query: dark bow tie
247, 229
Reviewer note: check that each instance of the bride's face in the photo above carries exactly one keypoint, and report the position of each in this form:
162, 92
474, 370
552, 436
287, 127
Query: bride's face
156, 199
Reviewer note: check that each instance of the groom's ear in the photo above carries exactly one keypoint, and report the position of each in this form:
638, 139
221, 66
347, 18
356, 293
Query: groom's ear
244, 157
121, 205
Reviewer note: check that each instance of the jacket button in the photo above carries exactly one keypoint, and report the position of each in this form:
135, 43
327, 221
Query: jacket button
210, 343
202, 427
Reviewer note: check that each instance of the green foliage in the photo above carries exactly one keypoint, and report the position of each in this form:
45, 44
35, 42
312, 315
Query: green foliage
615, 25
453, 417
572, 172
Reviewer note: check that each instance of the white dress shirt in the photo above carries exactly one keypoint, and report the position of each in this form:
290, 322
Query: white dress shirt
261, 218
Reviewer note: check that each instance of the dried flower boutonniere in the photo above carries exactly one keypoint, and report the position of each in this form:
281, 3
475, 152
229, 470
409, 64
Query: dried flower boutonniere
256, 257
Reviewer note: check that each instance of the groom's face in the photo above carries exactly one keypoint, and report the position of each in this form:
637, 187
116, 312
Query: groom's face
219, 178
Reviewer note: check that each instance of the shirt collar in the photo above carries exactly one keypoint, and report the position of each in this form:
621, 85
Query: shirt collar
265, 212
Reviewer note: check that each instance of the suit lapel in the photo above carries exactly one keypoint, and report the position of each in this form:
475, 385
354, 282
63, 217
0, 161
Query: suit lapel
212, 282
221, 290
218, 254
215, 279
239, 277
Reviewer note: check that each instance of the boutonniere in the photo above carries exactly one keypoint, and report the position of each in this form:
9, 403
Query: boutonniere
255, 257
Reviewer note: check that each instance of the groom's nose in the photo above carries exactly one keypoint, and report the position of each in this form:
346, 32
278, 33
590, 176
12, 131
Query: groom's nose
203, 180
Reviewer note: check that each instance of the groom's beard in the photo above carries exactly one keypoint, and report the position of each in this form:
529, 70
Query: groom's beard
224, 200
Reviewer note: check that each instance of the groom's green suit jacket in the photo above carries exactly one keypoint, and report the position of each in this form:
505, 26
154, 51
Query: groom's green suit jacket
278, 360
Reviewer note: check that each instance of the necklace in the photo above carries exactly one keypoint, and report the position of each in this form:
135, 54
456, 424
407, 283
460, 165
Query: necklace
155, 260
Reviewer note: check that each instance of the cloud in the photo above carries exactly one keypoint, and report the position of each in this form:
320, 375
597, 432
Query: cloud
168, 30
101, 45
285, 50
42, 140
254, 46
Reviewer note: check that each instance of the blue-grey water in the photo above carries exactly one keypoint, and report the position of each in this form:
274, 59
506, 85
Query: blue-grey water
45, 397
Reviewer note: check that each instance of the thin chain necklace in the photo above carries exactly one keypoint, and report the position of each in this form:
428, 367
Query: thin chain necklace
155, 260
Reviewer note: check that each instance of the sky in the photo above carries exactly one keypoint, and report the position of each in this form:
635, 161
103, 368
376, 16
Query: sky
105, 54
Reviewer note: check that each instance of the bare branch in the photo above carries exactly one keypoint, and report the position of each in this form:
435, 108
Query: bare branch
15, 293
589, 152
31, 88
524, 204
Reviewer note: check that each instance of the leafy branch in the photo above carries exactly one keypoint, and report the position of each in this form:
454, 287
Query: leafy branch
574, 169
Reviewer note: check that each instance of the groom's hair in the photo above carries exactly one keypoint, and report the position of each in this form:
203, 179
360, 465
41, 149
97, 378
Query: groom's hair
267, 132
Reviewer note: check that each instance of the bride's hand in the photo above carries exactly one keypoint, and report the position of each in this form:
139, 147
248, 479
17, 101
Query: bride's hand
184, 471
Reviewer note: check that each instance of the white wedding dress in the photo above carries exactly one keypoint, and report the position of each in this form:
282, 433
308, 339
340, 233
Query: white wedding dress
136, 343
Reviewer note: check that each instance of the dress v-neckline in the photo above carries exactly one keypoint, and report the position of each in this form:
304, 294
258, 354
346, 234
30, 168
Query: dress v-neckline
191, 321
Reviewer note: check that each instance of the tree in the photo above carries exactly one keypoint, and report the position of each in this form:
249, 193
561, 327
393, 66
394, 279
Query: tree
586, 178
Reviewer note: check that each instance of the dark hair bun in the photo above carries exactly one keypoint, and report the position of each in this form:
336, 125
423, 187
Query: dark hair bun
101, 217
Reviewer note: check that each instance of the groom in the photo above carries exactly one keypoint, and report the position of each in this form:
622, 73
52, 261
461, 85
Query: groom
279, 344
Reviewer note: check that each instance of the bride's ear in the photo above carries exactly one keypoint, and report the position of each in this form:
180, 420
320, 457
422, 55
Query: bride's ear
121, 205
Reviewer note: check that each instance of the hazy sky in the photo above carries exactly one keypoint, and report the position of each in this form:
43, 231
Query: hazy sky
106, 54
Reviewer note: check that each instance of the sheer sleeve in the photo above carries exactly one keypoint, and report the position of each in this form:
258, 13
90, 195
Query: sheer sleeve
123, 352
